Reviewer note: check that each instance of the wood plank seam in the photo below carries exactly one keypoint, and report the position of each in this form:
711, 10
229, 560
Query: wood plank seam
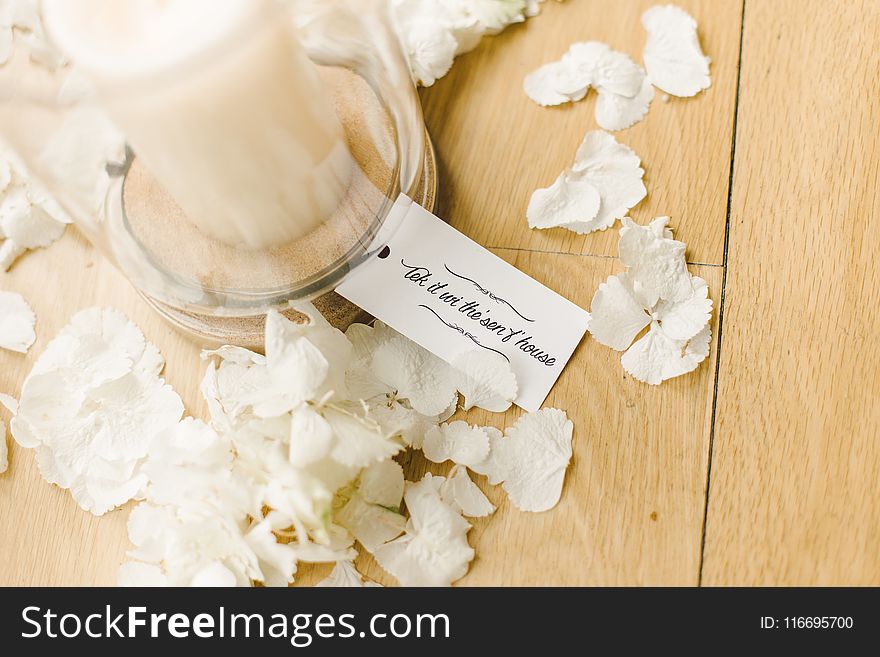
742, 30
603, 256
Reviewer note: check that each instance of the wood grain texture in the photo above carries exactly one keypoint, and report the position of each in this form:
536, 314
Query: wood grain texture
632, 504
793, 497
45, 538
496, 146
795, 457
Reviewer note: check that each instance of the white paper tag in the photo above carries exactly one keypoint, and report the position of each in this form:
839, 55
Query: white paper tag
450, 295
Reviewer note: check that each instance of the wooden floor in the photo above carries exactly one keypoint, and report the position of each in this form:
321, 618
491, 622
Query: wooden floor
763, 466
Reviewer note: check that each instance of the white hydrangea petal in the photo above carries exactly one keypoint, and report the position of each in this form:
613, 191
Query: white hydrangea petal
399, 420
616, 112
434, 550
490, 465
532, 459
457, 442
32, 227
345, 575
372, 525
29, 218
673, 57
657, 357
199, 545
486, 380
583, 59
17, 322
296, 367
430, 48
185, 461
139, 574
277, 561
98, 495
359, 439
230, 386
360, 379
311, 436
459, 490
330, 341
312, 552
624, 92
382, 483
235, 355
656, 264
9, 402
128, 408
570, 202
616, 316
450, 410
44, 400
91, 407
491, 16
416, 374
372, 513
555, 83
682, 320
616, 73
9, 253
101, 344
615, 170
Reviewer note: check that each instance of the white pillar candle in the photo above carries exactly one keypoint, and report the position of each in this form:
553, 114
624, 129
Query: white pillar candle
222, 105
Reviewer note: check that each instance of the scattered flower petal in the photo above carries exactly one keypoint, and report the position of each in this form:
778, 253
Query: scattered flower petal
657, 357
656, 290
615, 170
360, 379
434, 550
616, 112
532, 458
91, 407
29, 218
345, 575
486, 381
682, 320
603, 184
570, 202
396, 419
427, 382
556, 83
456, 442
16, 322
656, 262
433, 33
624, 93
617, 318
461, 492
430, 48
673, 57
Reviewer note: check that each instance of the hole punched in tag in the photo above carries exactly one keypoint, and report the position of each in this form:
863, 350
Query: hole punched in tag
384, 253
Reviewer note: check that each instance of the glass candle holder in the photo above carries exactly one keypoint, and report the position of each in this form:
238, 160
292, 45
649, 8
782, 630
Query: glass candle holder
229, 158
